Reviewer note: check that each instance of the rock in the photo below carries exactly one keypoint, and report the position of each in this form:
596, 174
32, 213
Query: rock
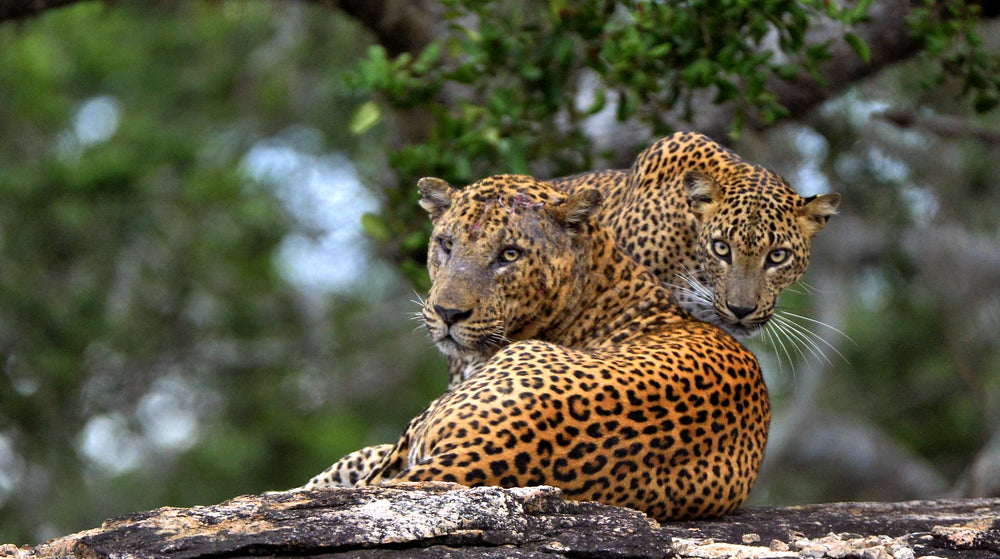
430, 521
427, 521
968, 528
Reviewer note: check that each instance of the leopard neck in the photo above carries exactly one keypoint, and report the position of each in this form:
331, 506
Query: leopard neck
618, 301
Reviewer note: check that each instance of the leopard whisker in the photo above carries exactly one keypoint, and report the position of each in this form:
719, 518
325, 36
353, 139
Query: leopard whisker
799, 288
787, 313
490, 343
419, 300
420, 303
778, 345
416, 315
694, 296
688, 292
800, 337
692, 287
809, 288
498, 339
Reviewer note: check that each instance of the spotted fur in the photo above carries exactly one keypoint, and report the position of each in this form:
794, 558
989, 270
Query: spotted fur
729, 235
589, 376
349, 470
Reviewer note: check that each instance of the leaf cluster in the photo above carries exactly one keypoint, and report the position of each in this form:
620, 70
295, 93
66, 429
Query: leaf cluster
511, 87
950, 36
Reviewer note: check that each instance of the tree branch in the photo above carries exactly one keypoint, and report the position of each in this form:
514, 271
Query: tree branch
886, 33
887, 36
19, 9
398, 25
409, 25
940, 125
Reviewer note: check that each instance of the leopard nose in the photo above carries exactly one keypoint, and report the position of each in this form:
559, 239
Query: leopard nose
451, 316
740, 312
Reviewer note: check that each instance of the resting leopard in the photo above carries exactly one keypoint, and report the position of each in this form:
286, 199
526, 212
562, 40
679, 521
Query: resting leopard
729, 236
590, 376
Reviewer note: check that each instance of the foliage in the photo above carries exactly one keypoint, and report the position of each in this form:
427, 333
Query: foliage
522, 83
949, 33
152, 353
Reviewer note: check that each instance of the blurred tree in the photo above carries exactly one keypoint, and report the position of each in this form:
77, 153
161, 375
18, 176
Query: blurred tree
158, 164
153, 351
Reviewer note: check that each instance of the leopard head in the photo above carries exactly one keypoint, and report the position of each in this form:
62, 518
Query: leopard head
754, 236
506, 257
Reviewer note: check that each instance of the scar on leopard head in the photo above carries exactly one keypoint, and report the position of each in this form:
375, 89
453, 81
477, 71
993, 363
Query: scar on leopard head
519, 201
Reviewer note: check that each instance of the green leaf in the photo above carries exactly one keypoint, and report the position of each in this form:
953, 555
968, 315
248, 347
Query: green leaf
414, 241
727, 91
427, 59
600, 99
375, 227
787, 72
659, 51
859, 12
491, 135
530, 72
859, 46
698, 73
364, 117
628, 103
816, 54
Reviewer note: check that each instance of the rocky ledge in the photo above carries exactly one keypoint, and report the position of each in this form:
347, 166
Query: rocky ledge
441, 520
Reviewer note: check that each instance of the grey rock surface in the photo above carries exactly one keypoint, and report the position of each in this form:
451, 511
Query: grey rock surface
445, 520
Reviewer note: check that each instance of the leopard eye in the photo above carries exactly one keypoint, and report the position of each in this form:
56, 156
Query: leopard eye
777, 256
721, 249
445, 243
509, 255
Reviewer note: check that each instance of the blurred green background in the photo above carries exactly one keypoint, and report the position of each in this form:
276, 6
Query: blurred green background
210, 253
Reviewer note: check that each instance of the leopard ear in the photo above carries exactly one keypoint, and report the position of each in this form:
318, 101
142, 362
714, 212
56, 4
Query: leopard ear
435, 195
575, 210
703, 192
817, 210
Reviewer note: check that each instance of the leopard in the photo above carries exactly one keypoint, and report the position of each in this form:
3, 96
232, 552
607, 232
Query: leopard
589, 375
727, 236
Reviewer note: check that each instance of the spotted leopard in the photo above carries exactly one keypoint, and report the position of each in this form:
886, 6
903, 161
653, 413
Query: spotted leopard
728, 236
591, 378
